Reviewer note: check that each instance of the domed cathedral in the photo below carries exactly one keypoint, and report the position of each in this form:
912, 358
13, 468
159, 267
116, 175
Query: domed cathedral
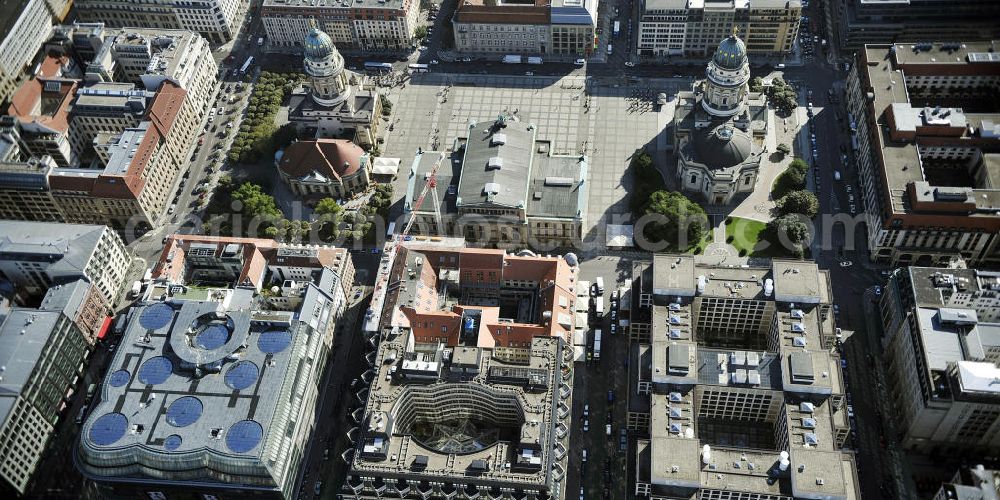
333, 102
325, 67
719, 128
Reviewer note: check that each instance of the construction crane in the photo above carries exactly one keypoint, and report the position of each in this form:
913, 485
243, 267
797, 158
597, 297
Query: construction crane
429, 185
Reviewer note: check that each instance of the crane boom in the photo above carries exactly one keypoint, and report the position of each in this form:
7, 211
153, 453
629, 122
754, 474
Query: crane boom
428, 185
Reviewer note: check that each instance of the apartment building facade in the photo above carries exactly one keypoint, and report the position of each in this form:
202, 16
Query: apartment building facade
565, 27
42, 351
216, 20
351, 24
855, 23
25, 29
927, 148
691, 28
36, 256
940, 330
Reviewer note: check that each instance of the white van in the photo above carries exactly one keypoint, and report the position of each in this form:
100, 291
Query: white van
609, 49
584, 456
836, 175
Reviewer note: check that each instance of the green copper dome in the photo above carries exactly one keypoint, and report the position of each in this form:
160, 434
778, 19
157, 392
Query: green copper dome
731, 54
318, 44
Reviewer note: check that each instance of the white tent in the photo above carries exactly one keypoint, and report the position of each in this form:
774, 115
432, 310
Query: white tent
385, 166
620, 236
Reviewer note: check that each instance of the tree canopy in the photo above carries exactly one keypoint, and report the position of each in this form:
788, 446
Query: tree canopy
788, 233
792, 179
783, 96
798, 202
684, 222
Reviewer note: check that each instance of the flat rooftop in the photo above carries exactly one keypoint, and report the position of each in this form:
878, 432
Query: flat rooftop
479, 380
903, 125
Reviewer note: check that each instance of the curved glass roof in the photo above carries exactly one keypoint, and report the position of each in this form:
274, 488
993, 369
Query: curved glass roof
119, 378
212, 337
242, 375
184, 411
244, 436
156, 316
172, 442
155, 370
108, 429
274, 341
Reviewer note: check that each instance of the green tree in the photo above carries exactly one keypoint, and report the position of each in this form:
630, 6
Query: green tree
792, 179
420, 32
756, 84
798, 202
327, 206
255, 201
647, 180
784, 149
788, 233
386, 104
684, 225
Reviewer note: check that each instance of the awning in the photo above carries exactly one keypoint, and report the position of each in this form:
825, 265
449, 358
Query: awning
385, 166
105, 327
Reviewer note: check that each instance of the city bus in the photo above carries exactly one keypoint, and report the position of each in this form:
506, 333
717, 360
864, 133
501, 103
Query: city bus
420, 68
618, 28
246, 65
377, 66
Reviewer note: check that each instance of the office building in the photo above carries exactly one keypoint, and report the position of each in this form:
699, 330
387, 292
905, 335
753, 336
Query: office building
469, 397
856, 23
334, 102
135, 168
211, 392
537, 27
42, 352
735, 385
325, 168
36, 256
105, 107
971, 483
690, 28
927, 141
215, 382
218, 21
941, 332
26, 26
131, 185
503, 186
719, 129
354, 24
250, 262
41, 106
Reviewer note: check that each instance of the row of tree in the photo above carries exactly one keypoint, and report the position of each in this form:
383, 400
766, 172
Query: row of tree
258, 135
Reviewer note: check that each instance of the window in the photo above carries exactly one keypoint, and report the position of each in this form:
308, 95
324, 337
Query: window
694, 178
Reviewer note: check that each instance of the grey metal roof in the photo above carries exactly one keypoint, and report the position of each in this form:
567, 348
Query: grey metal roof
24, 333
722, 146
67, 247
558, 186
507, 186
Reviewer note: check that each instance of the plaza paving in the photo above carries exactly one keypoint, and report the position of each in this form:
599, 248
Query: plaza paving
607, 118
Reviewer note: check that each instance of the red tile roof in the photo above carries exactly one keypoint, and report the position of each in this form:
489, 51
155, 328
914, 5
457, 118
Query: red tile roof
332, 158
